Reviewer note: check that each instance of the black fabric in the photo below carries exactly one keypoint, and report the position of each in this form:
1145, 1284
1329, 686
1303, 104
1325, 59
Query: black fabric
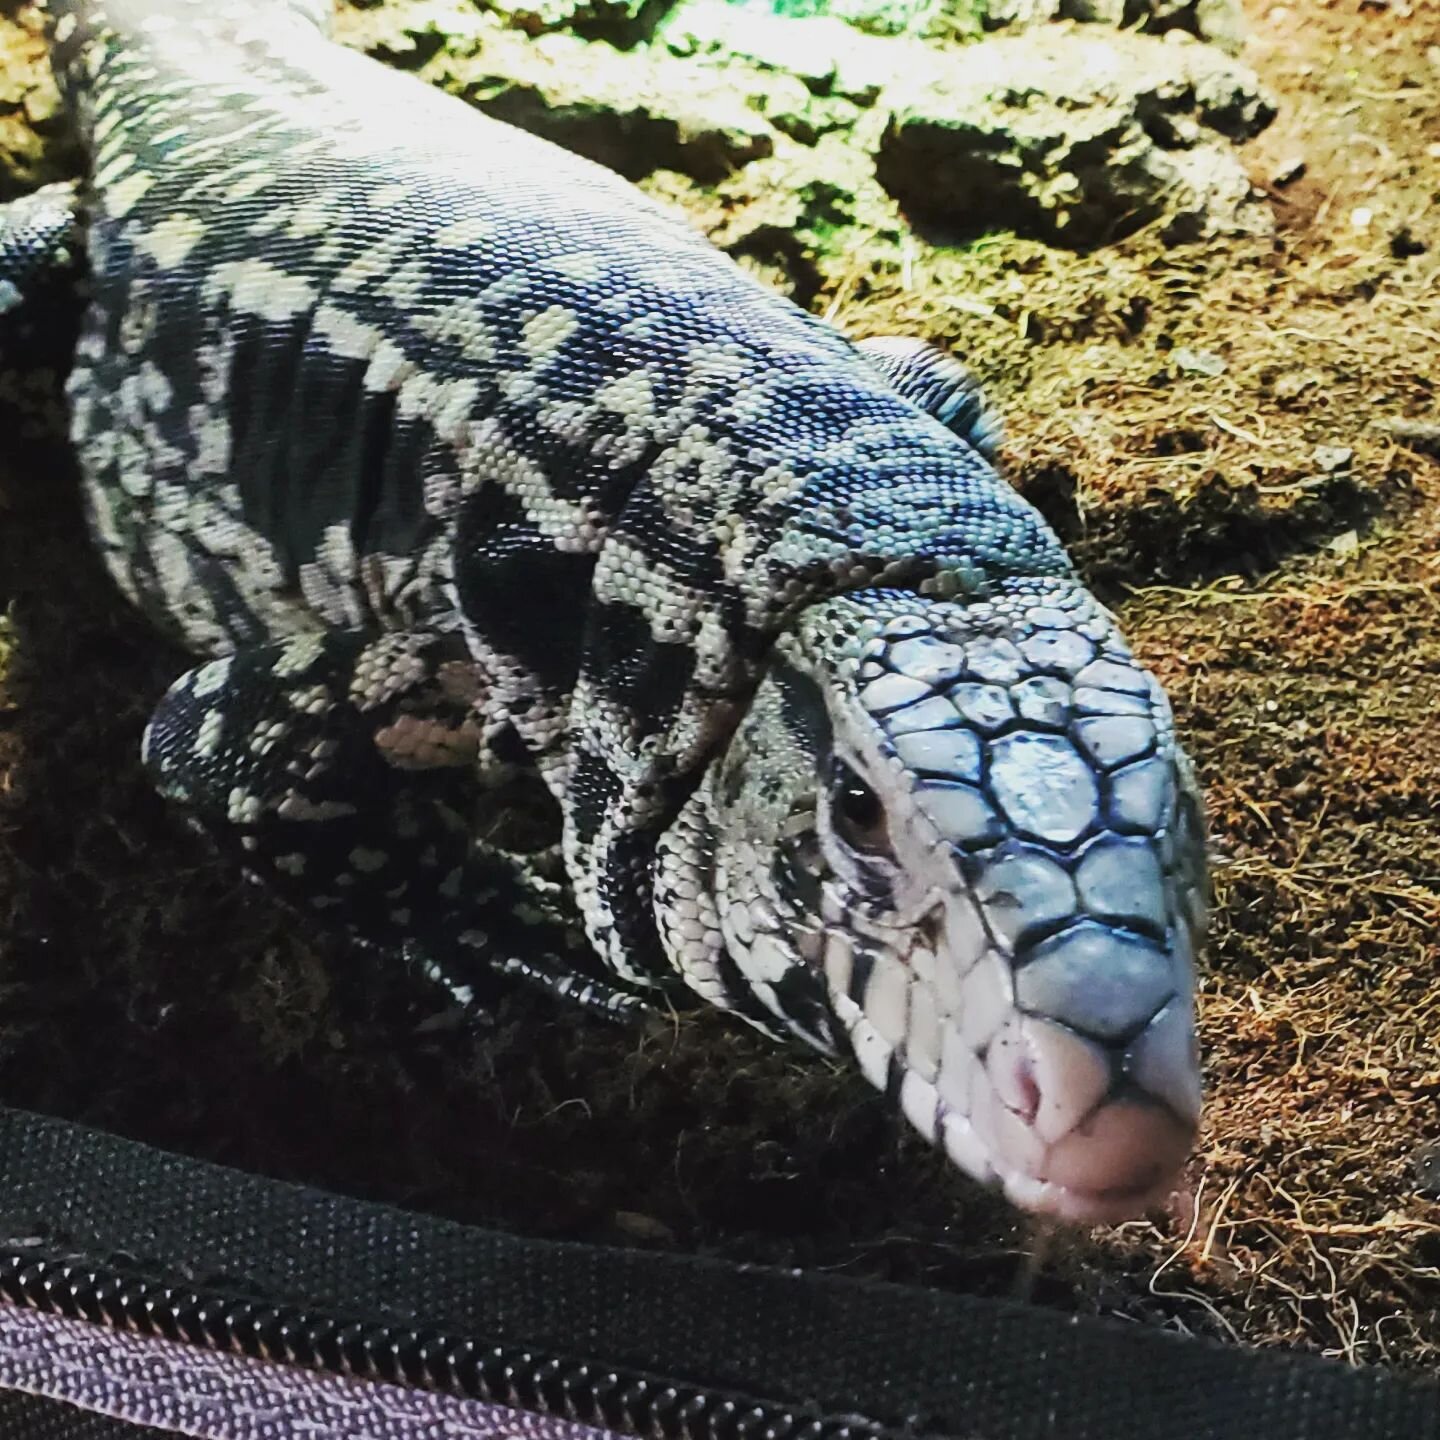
30, 1417
913, 1360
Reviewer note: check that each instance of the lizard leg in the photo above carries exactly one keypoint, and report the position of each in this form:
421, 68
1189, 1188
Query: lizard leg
360, 778
41, 293
940, 385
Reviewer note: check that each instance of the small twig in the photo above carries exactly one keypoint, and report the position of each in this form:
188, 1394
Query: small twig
1235, 430
1215, 1220
1175, 1255
1390, 1225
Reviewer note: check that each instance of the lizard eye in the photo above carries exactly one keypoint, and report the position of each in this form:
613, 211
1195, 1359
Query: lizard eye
856, 812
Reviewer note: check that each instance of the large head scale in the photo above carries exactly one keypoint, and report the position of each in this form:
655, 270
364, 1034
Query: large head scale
958, 838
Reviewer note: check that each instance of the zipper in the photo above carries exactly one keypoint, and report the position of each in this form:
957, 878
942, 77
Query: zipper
610, 1399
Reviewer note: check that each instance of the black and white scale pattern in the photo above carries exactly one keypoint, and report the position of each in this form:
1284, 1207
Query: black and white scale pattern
538, 558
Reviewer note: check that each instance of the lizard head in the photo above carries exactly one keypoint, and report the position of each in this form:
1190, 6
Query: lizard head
958, 839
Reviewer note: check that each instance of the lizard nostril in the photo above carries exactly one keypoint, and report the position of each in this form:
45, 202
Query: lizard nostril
1047, 1077
1026, 1091
1011, 1063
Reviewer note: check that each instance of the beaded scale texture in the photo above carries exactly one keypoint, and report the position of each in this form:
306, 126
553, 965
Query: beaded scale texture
548, 573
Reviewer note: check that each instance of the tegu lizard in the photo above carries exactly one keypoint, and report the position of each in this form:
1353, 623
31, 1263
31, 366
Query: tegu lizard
545, 571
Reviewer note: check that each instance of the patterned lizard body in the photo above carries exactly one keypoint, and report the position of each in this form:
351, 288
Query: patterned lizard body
549, 569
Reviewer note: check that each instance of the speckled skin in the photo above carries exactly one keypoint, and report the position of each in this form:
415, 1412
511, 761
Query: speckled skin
494, 493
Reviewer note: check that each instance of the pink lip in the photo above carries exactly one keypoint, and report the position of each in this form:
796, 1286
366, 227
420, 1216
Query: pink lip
1114, 1166
1084, 1207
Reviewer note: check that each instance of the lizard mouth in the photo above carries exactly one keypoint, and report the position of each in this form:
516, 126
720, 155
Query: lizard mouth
1083, 1207
1086, 1128
1125, 1159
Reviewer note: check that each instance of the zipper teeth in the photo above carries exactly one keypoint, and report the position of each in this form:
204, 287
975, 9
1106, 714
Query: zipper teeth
496, 1375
